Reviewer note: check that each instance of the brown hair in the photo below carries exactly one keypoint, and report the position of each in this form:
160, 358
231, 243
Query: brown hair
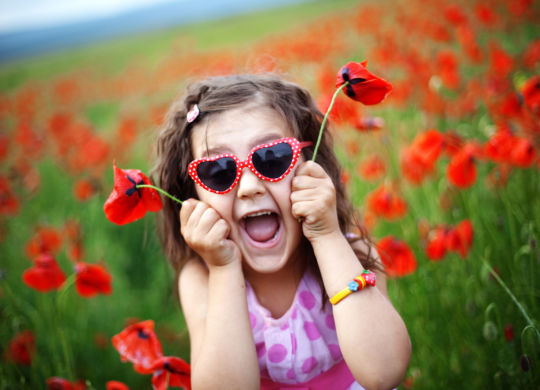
219, 94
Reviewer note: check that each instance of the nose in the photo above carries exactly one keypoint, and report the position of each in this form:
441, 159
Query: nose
249, 185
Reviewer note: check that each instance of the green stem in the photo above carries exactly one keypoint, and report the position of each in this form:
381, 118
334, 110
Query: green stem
512, 296
326, 118
159, 190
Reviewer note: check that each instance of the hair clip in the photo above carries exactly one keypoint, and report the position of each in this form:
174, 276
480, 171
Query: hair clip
192, 114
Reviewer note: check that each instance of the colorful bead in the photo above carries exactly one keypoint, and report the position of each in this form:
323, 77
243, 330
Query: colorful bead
357, 284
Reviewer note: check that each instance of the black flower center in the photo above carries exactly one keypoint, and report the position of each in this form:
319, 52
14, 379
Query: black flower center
131, 190
347, 77
167, 366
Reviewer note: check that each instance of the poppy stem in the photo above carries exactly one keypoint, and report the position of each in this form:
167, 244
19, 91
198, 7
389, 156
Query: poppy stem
512, 296
326, 118
159, 190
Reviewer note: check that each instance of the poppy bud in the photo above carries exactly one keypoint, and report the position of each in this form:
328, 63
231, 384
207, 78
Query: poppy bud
490, 330
525, 362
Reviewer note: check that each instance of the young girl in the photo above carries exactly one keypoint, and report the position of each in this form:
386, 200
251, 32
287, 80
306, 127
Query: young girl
264, 239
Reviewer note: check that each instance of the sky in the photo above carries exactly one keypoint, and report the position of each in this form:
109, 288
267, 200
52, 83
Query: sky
21, 15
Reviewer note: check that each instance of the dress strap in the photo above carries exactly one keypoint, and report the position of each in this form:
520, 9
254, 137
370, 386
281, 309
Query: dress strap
337, 377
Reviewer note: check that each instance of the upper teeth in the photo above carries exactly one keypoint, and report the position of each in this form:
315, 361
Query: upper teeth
258, 214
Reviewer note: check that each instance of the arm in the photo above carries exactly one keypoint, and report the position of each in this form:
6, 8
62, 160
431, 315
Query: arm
214, 303
372, 336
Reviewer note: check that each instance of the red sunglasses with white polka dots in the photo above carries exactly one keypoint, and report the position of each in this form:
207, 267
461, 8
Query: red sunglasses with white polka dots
271, 162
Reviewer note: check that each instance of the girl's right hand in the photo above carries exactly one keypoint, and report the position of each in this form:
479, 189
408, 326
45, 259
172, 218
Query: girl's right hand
206, 233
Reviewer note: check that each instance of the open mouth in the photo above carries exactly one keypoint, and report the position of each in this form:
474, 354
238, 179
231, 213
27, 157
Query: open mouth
261, 227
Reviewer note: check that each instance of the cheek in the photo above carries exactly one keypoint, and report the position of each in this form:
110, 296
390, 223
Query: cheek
282, 193
221, 203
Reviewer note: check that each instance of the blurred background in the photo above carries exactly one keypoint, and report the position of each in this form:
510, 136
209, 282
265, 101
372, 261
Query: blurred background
444, 172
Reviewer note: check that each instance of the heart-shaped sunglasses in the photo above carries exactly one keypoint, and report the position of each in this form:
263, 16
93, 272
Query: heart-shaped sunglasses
272, 162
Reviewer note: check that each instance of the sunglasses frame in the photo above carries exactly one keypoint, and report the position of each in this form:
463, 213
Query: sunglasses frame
295, 145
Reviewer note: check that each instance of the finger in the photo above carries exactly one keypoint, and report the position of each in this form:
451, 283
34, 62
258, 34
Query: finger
219, 231
311, 168
300, 209
192, 220
320, 194
186, 210
206, 221
309, 211
304, 182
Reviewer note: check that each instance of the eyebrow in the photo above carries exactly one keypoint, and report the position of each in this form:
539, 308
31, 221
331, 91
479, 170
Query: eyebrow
222, 149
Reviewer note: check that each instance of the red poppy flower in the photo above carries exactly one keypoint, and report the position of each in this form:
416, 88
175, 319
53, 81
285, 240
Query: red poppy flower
436, 245
448, 69
344, 112
455, 15
92, 279
397, 257
411, 166
485, 14
509, 332
116, 385
127, 203
531, 56
452, 143
46, 240
171, 371
498, 148
139, 344
460, 238
9, 203
523, 153
372, 168
501, 63
461, 171
45, 274
22, 348
75, 252
385, 202
531, 94
369, 123
363, 86
428, 146
57, 383
5, 140
83, 190
418, 160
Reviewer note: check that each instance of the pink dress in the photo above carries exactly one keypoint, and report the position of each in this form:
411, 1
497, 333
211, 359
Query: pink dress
299, 349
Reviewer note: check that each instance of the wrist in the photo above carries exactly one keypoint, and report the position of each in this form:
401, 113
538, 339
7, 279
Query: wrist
331, 238
223, 267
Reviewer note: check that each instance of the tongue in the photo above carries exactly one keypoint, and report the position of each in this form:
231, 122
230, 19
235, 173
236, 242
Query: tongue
261, 228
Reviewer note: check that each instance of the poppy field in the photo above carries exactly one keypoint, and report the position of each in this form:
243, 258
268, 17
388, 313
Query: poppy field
444, 172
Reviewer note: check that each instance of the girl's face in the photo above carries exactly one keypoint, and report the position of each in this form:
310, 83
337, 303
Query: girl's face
257, 211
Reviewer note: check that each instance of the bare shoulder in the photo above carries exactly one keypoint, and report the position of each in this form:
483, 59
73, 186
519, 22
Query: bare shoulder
367, 247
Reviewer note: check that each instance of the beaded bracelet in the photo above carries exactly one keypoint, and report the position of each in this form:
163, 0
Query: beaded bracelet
358, 283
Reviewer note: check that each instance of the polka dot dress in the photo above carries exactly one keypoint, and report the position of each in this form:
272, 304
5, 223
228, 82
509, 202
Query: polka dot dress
302, 343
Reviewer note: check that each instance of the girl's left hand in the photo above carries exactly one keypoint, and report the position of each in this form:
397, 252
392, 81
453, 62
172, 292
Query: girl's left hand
313, 198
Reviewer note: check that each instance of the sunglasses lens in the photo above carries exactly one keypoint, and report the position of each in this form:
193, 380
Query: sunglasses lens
219, 174
272, 162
